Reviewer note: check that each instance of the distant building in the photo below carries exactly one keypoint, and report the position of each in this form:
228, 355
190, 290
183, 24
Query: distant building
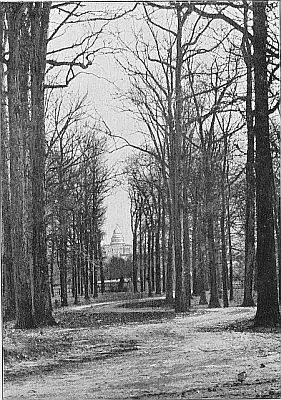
117, 246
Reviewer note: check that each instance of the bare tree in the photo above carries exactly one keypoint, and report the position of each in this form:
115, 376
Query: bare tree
6, 256
25, 317
267, 302
39, 24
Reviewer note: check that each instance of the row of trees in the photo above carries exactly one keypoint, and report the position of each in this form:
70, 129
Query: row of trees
202, 106
77, 181
152, 235
53, 168
195, 114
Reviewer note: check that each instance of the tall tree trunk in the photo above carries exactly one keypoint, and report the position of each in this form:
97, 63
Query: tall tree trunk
141, 266
86, 265
209, 210
91, 273
176, 171
78, 257
149, 234
248, 300
7, 260
229, 241
186, 256
152, 256
24, 314
267, 300
214, 299
201, 250
278, 238
170, 266
101, 267
62, 240
91, 254
217, 239
75, 281
163, 246
222, 231
74, 263
52, 262
194, 261
63, 270
39, 16
135, 265
96, 262
145, 260
157, 249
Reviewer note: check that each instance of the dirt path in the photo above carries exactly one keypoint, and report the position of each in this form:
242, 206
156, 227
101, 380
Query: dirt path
176, 358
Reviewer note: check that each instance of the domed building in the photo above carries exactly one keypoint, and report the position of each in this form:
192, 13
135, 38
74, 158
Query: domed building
117, 237
117, 246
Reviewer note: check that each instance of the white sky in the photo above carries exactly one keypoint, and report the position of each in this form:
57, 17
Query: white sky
97, 82
101, 95
100, 83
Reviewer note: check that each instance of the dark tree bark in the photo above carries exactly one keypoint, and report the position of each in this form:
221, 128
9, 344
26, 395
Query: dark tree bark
134, 227
91, 273
163, 246
278, 238
135, 266
79, 285
24, 314
141, 266
170, 267
214, 298
157, 249
86, 237
63, 270
74, 263
222, 223
86, 266
175, 172
53, 242
101, 267
201, 249
186, 254
229, 241
222, 232
267, 293
209, 221
95, 263
62, 239
194, 246
248, 300
145, 260
152, 255
149, 234
39, 16
6, 254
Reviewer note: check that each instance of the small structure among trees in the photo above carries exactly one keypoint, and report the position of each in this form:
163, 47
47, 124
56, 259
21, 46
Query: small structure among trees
117, 247
117, 258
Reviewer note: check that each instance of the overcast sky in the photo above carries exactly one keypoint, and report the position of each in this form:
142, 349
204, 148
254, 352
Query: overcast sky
100, 82
101, 93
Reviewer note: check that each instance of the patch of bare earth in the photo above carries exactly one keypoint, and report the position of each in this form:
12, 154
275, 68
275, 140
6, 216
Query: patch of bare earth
144, 353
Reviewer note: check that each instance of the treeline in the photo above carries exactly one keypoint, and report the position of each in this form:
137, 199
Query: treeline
204, 88
153, 258
78, 180
54, 175
206, 167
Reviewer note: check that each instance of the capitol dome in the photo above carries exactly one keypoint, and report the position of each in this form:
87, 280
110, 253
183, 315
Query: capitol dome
117, 237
